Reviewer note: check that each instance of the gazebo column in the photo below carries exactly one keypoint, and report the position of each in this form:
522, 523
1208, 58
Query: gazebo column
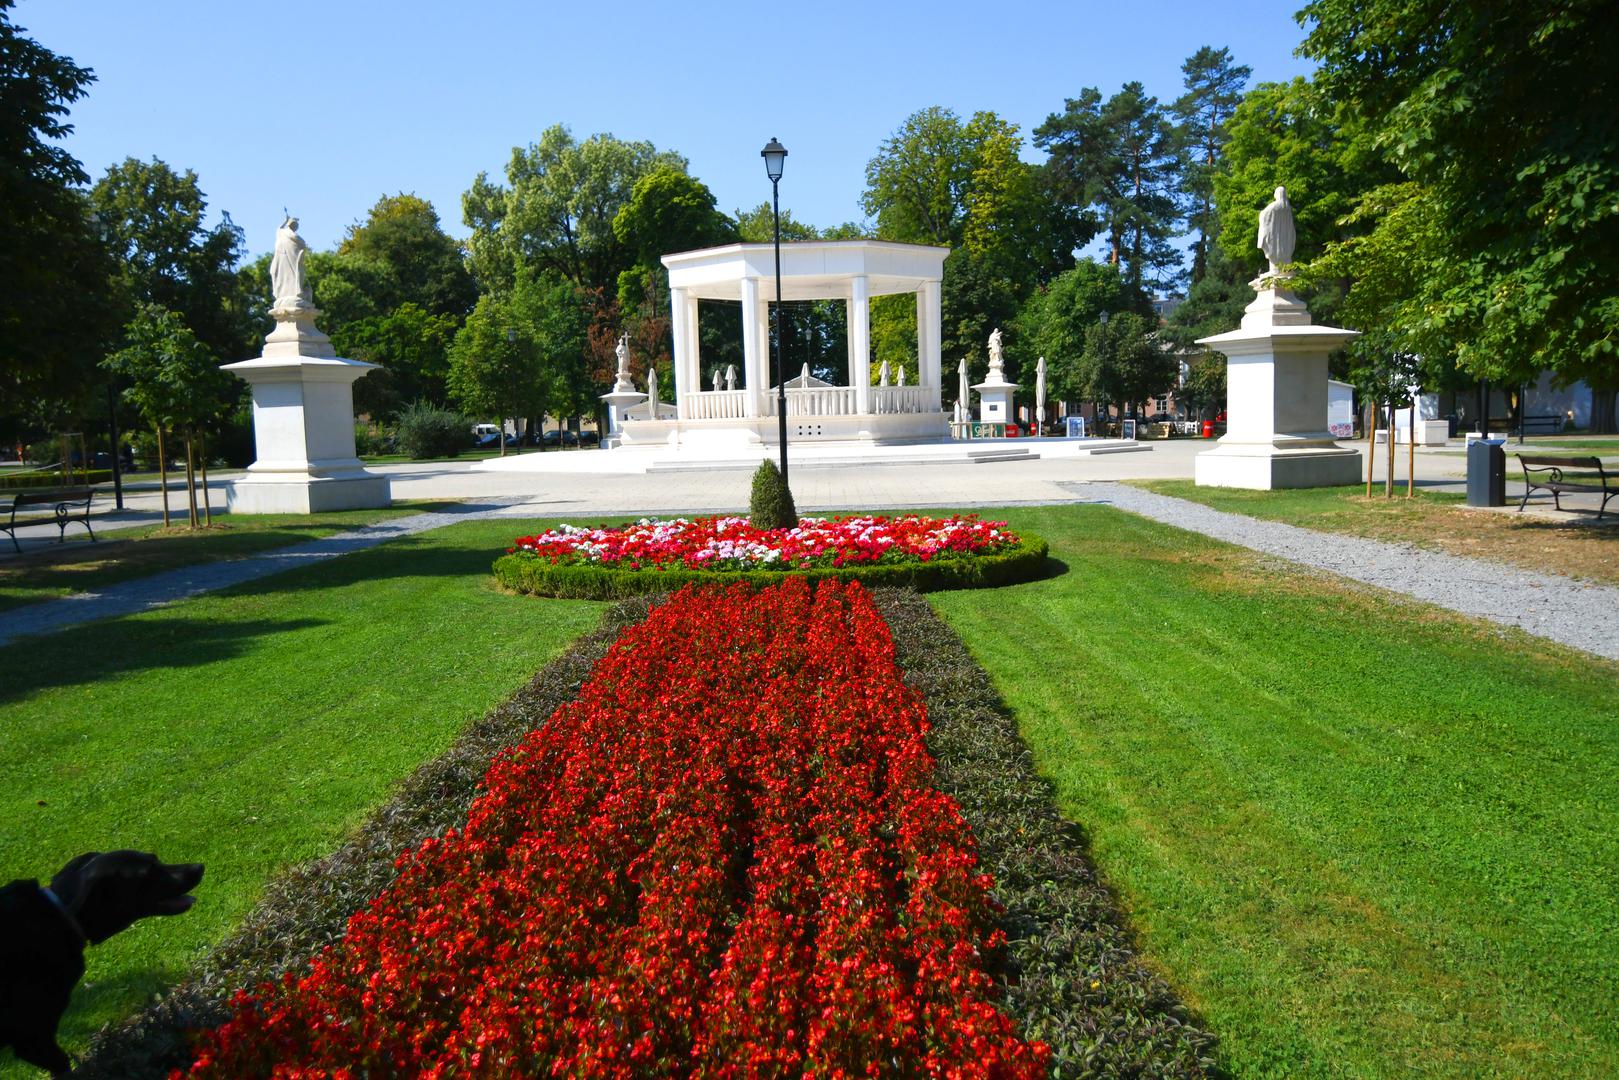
929, 323
694, 349
860, 342
753, 360
680, 316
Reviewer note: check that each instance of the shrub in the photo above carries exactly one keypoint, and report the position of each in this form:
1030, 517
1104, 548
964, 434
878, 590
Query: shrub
370, 440
426, 431
525, 573
18, 481
771, 504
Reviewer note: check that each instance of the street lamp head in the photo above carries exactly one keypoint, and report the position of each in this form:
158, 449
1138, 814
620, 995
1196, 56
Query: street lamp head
1103, 318
775, 156
511, 335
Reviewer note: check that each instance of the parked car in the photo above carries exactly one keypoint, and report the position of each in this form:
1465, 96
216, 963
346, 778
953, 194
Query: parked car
590, 438
554, 438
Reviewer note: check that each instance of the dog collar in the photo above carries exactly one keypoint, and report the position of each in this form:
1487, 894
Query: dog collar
73, 923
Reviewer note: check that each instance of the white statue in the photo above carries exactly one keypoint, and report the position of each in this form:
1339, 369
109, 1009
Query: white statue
289, 288
1276, 233
730, 376
622, 383
716, 380
995, 350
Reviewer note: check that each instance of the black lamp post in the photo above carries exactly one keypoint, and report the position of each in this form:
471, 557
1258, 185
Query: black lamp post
775, 156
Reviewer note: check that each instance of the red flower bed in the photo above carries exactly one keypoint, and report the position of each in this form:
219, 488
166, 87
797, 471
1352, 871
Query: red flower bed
731, 543
725, 858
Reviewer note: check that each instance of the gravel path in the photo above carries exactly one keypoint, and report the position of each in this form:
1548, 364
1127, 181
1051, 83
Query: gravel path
142, 594
1566, 610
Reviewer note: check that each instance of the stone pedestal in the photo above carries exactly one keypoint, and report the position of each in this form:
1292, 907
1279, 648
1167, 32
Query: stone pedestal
995, 399
1276, 401
303, 426
622, 398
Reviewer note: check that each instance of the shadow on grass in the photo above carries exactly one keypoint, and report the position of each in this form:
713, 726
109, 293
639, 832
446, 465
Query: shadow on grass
96, 651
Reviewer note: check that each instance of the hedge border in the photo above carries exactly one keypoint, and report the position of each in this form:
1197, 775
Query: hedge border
1074, 977
533, 576
307, 908
33, 479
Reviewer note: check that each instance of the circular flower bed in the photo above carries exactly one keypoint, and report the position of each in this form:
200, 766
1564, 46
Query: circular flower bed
654, 555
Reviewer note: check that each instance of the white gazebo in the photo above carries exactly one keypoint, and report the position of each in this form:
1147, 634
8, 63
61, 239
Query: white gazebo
853, 271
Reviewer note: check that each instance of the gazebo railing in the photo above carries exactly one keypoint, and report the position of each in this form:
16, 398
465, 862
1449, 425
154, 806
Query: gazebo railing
811, 401
717, 405
815, 401
901, 399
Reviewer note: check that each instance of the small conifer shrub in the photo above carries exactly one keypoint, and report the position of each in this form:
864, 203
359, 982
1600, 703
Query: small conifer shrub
771, 505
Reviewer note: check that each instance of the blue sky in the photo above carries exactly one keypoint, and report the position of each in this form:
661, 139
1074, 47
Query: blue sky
323, 107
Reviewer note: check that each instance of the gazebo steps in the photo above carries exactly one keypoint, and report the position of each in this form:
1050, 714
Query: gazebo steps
972, 457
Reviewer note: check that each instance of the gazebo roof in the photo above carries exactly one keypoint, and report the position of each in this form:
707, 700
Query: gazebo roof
810, 269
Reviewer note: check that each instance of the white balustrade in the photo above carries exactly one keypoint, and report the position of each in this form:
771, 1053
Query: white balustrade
717, 404
900, 399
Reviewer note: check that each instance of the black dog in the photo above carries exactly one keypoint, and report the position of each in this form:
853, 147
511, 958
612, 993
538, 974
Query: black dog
43, 933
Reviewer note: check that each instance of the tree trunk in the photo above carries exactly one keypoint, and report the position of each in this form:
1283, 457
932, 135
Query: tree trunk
1371, 445
163, 474
202, 454
191, 485
1388, 482
500, 437
1604, 414
1411, 454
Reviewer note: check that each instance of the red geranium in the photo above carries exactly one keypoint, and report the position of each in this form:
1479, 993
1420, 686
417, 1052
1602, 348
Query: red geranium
725, 858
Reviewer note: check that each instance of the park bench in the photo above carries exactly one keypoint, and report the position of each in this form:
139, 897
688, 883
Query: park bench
66, 505
1544, 425
1545, 472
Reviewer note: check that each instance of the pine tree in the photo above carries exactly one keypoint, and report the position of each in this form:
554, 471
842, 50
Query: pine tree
1214, 87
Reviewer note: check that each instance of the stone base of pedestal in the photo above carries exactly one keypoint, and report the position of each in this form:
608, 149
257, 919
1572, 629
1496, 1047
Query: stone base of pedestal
1264, 467
307, 495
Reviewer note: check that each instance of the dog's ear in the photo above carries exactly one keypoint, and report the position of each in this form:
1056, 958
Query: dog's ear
68, 884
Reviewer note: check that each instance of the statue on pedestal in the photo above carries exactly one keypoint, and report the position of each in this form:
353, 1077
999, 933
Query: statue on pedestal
1276, 233
621, 383
289, 287
995, 373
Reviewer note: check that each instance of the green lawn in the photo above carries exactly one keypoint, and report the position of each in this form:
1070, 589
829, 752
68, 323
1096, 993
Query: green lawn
123, 554
1362, 837
252, 729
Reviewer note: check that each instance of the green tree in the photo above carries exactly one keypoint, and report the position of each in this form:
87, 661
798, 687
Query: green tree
495, 369
555, 316
1125, 361
1214, 88
415, 260
155, 219
1057, 320
413, 347
1502, 114
174, 382
56, 317
940, 180
1114, 163
557, 209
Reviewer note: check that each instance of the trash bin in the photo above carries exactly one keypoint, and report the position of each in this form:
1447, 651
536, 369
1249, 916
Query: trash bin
1208, 429
1486, 475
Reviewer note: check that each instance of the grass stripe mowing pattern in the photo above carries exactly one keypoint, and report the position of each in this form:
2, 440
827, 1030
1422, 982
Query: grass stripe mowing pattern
1360, 836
